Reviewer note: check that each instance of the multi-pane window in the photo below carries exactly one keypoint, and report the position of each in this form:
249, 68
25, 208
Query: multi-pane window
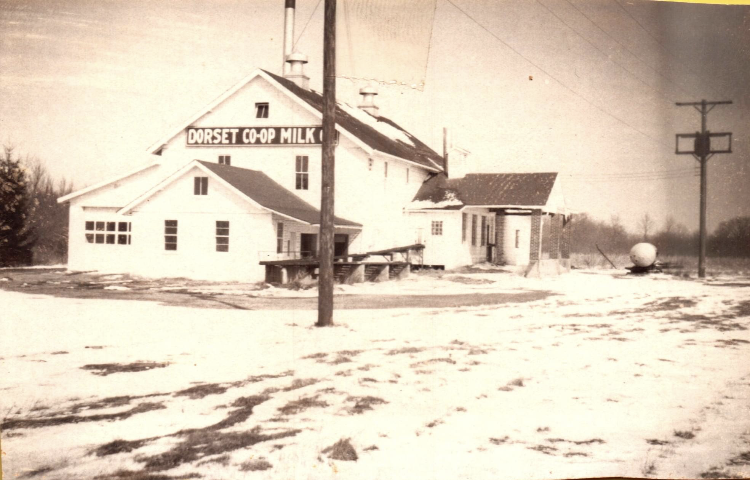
108, 232
200, 186
437, 227
225, 159
261, 110
302, 173
170, 234
484, 231
279, 237
464, 222
518, 238
222, 236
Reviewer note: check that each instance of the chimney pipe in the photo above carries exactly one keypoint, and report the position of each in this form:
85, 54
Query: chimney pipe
289, 10
368, 100
296, 71
446, 147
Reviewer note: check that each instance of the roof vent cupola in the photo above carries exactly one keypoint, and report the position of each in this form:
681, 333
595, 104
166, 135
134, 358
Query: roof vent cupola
296, 71
368, 100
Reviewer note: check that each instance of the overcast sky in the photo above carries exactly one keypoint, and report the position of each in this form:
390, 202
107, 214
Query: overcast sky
583, 87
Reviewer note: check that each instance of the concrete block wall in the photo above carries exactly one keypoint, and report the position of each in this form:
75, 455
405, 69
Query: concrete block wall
536, 236
499, 237
554, 240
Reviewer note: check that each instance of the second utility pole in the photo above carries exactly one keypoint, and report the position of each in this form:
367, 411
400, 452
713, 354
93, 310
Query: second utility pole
702, 152
325, 278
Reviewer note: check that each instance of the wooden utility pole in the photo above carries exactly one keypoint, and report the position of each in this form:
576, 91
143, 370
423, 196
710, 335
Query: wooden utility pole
325, 279
702, 152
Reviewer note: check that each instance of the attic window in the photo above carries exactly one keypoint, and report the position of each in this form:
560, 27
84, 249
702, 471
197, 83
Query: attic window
302, 174
261, 110
200, 186
225, 159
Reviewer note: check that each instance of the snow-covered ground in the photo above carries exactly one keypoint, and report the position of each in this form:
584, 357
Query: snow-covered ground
596, 374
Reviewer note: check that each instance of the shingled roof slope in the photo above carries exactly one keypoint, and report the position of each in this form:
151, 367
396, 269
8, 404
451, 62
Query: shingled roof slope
262, 189
506, 189
418, 153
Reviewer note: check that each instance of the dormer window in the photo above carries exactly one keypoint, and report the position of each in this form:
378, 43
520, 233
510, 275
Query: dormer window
261, 110
200, 186
225, 159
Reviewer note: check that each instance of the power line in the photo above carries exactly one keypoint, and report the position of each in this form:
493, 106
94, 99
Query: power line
602, 51
645, 179
554, 78
635, 174
626, 48
660, 44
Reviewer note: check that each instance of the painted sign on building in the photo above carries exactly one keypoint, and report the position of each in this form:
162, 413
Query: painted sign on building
249, 136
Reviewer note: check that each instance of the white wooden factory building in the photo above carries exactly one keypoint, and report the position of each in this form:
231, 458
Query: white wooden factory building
239, 184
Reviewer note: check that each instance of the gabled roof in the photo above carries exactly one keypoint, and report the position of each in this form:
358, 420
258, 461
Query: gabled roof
99, 185
486, 190
372, 133
365, 127
263, 190
255, 187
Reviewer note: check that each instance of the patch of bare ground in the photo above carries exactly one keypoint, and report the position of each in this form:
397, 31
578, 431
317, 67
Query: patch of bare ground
341, 450
717, 473
300, 405
518, 382
141, 475
66, 419
405, 350
467, 280
37, 471
222, 460
203, 442
499, 441
661, 305
255, 465
104, 369
654, 441
730, 343
362, 404
300, 383
432, 361
545, 449
592, 441
201, 391
119, 446
684, 434
742, 459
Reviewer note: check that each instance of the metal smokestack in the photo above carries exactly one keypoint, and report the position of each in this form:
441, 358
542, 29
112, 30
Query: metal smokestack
446, 148
289, 7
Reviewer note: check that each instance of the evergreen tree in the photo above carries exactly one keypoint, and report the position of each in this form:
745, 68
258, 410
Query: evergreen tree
16, 238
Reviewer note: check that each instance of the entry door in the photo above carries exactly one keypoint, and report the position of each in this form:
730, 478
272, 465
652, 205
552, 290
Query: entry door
308, 245
340, 245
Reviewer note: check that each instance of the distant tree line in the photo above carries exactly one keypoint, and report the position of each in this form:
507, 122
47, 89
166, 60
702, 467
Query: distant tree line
730, 239
33, 226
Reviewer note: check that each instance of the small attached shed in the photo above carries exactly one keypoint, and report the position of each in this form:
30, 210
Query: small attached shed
504, 218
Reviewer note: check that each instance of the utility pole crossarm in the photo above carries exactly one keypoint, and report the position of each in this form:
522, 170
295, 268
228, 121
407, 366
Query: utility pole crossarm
702, 151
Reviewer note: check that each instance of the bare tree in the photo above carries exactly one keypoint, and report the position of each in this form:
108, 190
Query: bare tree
646, 225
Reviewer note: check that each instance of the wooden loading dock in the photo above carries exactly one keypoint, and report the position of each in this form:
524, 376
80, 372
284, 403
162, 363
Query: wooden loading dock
396, 264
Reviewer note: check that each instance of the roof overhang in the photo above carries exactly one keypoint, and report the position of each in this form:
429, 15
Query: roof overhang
99, 185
